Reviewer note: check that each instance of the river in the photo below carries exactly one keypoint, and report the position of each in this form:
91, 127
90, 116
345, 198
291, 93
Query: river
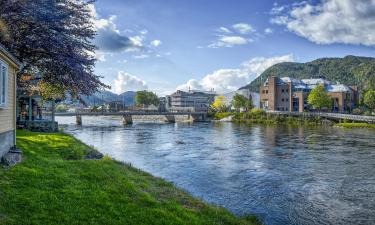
281, 174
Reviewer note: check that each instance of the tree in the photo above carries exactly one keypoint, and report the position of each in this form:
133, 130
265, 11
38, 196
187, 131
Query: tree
369, 99
239, 101
146, 98
219, 104
53, 38
319, 98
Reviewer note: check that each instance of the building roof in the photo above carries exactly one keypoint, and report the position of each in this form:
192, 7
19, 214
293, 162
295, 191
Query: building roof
338, 88
9, 55
309, 84
315, 81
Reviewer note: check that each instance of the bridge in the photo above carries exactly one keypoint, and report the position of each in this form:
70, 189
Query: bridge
329, 116
127, 116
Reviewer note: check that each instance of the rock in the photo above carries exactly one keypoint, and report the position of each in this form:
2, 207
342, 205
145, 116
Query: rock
94, 154
11, 158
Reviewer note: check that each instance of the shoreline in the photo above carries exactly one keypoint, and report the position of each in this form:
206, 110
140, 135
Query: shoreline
56, 183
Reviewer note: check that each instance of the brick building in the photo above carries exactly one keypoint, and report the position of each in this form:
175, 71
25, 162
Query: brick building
289, 94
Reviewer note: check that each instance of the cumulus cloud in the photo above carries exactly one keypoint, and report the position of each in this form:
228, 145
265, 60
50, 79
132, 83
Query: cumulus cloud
109, 38
268, 31
243, 28
127, 82
142, 56
229, 41
227, 80
330, 21
224, 30
155, 43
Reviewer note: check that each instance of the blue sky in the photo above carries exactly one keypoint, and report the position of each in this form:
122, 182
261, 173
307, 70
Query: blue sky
162, 45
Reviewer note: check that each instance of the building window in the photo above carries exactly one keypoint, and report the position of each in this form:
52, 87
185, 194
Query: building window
287, 99
3, 84
263, 91
282, 90
282, 100
266, 91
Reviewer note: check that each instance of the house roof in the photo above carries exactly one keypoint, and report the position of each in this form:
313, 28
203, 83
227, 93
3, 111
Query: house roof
9, 55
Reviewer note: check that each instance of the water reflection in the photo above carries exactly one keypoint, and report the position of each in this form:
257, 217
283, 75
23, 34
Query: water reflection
285, 175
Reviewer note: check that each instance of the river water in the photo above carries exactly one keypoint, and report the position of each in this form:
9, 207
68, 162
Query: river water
283, 175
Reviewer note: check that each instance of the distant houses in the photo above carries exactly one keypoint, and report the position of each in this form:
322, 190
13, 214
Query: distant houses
290, 94
9, 66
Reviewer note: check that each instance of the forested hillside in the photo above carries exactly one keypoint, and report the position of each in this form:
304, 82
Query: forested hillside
350, 70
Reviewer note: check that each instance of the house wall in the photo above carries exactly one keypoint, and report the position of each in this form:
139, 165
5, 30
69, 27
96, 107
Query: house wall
8, 114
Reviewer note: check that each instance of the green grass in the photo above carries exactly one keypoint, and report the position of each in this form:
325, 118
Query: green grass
355, 125
54, 185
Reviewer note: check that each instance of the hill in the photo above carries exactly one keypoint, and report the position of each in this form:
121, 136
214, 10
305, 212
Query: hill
107, 96
350, 70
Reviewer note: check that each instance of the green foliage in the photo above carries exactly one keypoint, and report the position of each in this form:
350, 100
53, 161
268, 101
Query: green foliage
355, 125
350, 70
61, 108
357, 111
319, 98
239, 101
219, 105
222, 115
369, 99
257, 111
47, 189
146, 98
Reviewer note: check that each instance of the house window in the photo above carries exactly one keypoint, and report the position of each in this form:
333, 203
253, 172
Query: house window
266, 91
282, 90
3, 84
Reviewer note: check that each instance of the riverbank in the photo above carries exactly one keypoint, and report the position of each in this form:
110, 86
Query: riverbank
355, 125
56, 185
258, 116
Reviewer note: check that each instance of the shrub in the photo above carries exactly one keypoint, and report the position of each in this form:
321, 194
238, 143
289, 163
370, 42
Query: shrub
357, 111
257, 111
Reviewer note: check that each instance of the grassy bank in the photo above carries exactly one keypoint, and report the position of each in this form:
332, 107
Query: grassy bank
258, 116
55, 185
355, 125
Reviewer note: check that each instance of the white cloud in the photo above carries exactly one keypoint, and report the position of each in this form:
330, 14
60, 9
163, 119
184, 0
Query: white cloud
243, 28
127, 82
155, 43
109, 38
332, 21
227, 80
224, 30
229, 41
143, 56
268, 31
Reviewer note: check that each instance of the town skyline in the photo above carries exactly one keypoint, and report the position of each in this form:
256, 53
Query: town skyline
166, 45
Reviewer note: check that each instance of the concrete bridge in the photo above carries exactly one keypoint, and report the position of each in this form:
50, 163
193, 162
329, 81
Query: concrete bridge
329, 116
127, 117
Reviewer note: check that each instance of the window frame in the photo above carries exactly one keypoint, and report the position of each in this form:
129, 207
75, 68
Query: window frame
4, 87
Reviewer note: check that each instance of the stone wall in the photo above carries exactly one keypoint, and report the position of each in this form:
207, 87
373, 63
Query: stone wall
7, 141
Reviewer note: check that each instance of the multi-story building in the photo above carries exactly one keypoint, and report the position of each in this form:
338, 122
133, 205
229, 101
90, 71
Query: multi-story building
195, 101
289, 94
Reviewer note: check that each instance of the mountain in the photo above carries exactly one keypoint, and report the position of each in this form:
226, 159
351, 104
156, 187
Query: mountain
107, 96
350, 70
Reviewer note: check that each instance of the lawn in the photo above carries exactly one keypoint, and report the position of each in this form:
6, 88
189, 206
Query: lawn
55, 185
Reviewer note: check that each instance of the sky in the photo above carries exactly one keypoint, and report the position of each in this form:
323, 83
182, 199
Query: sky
221, 45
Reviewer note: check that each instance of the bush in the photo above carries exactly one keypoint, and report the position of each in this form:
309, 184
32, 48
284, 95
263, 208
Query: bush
368, 113
357, 111
257, 111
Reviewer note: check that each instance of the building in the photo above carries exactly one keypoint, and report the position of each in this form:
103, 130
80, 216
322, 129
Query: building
289, 94
9, 66
194, 101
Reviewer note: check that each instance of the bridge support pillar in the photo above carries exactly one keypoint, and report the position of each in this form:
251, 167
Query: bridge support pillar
199, 118
79, 120
127, 119
170, 118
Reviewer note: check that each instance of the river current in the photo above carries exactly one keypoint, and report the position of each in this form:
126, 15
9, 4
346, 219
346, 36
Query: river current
283, 175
